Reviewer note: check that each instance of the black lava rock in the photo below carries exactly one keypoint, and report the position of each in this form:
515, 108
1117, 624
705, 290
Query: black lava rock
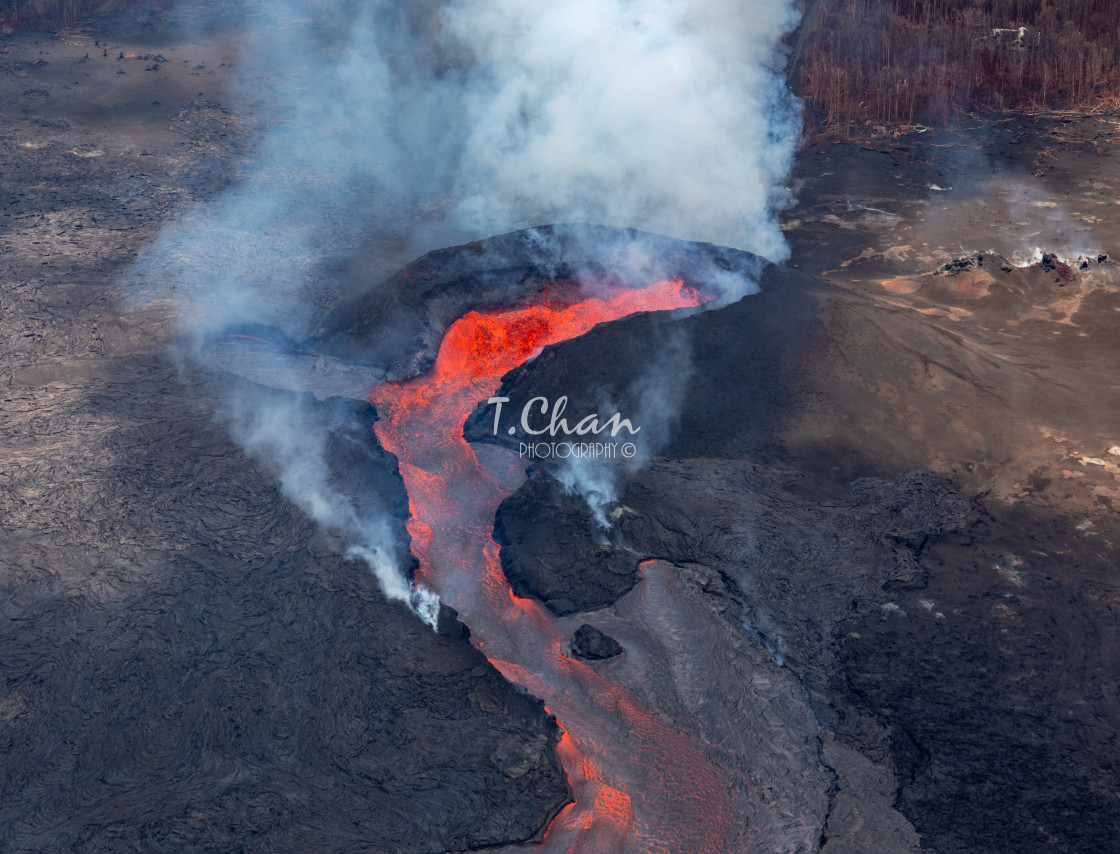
590, 643
550, 551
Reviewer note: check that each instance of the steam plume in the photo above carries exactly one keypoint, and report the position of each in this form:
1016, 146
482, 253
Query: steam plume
665, 116
653, 404
283, 432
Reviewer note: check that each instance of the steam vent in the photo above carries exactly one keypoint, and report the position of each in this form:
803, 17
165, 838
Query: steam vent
470, 427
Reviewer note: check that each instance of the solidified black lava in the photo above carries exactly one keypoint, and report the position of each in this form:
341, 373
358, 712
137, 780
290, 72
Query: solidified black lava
190, 665
1051, 263
633, 361
961, 265
590, 643
549, 550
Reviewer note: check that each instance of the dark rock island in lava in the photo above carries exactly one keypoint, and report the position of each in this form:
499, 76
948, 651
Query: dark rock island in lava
590, 643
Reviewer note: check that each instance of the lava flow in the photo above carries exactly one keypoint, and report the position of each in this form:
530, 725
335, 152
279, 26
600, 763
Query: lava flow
640, 784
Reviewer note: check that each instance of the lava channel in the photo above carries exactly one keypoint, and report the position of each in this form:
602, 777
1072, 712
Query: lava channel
639, 783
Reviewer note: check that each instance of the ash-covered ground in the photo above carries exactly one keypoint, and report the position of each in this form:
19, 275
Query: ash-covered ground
868, 566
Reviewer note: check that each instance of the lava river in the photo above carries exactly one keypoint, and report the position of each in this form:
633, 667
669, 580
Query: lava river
639, 783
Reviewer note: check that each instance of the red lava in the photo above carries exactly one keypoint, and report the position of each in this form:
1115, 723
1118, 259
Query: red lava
640, 784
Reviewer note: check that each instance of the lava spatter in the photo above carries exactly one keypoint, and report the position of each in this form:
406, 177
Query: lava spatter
640, 784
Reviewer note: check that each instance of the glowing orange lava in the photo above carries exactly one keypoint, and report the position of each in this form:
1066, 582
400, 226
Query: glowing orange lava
640, 784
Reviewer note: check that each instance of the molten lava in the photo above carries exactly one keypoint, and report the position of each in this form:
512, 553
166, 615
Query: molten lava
640, 784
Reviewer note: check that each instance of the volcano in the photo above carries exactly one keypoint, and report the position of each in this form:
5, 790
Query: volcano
852, 588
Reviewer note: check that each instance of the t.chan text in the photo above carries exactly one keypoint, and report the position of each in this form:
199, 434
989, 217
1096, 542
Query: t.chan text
538, 418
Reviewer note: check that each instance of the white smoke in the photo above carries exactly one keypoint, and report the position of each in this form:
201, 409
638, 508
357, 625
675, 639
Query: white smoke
653, 406
421, 125
1045, 226
666, 116
286, 435
594, 482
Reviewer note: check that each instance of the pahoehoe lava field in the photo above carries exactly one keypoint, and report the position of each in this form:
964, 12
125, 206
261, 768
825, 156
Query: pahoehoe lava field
859, 593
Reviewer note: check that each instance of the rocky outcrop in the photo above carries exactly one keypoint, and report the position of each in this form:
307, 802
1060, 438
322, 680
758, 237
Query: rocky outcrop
590, 643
